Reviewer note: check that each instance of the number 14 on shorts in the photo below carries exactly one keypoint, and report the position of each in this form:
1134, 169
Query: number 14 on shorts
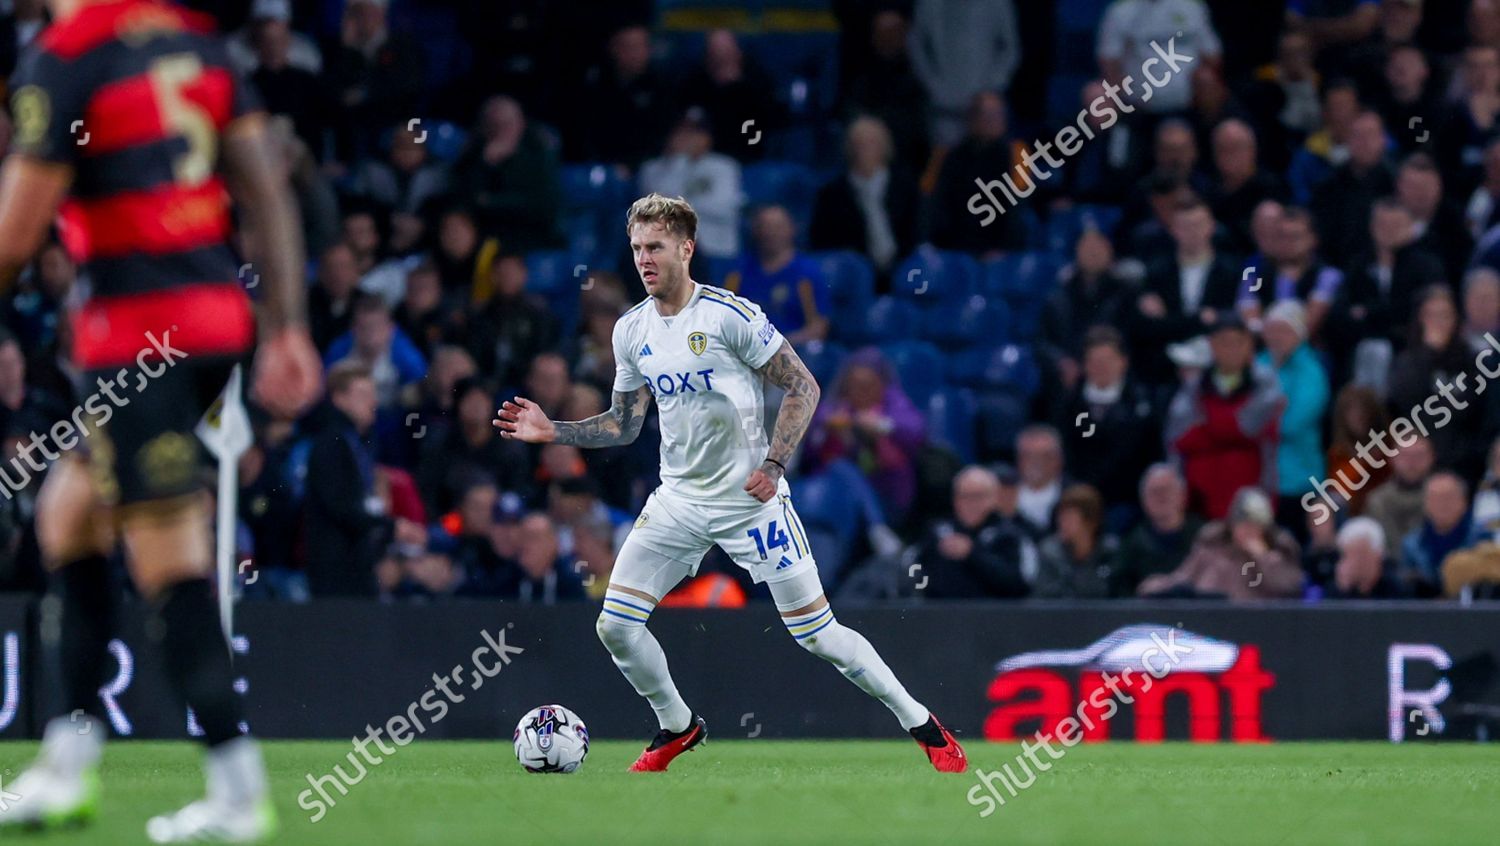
774, 538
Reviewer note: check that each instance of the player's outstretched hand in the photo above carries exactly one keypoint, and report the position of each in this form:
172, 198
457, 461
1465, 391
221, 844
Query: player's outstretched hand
762, 485
288, 373
524, 420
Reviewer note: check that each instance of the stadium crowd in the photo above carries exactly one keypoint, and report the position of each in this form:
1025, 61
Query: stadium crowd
1235, 345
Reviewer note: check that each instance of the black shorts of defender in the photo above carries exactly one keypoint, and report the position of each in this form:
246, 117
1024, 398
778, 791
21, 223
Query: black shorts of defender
142, 444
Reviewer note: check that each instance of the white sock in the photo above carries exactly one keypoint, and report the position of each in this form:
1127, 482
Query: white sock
822, 635
622, 628
71, 746
236, 773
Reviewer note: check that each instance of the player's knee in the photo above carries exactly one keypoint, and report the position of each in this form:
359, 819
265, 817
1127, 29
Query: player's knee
617, 635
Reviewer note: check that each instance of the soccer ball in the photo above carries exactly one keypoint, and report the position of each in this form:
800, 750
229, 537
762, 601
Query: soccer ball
551, 739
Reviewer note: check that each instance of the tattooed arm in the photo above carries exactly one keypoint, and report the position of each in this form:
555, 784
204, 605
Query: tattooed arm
524, 420
786, 371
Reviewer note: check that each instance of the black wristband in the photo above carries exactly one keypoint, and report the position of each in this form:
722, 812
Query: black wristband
778, 464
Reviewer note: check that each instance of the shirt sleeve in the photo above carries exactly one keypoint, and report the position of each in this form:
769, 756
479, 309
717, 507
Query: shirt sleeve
627, 375
749, 332
48, 104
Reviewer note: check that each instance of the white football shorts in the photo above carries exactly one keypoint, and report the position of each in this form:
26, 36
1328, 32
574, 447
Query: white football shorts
672, 535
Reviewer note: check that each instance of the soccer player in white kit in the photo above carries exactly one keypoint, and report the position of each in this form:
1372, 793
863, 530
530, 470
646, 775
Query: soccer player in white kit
703, 352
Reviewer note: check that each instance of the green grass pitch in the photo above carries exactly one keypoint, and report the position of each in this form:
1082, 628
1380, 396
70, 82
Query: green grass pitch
827, 792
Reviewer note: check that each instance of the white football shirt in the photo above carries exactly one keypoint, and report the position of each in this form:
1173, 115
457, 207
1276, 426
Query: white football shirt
700, 365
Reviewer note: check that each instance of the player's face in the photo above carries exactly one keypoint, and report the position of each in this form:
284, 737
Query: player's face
661, 258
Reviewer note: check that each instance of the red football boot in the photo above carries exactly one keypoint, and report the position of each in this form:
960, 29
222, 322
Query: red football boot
668, 745
948, 757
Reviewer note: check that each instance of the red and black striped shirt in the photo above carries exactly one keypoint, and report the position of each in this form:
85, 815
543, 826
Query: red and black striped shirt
134, 95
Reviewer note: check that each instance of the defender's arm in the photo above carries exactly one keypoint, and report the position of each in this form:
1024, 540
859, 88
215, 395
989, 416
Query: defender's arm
786, 371
524, 420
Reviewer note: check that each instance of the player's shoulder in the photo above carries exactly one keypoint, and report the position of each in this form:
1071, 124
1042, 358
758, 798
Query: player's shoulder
728, 305
632, 320
98, 25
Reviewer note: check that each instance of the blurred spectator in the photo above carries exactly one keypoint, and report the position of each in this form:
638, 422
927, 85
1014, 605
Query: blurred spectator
1183, 295
710, 181
1361, 572
787, 286
1103, 171
1174, 177
985, 154
1357, 413
1242, 556
450, 364
1435, 358
1487, 495
1223, 427
1483, 210
1470, 124
869, 420
1381, 285
1131, 27
1039, 460
1160, 542
732, 89
1213, 104
1239, 184
513, 326
960, 50
886, 86
1447, 527
1440, 225
974, 555
1332, 23
24, 408
1297, 272
272, 511
464, 259
272, 20
624, 101
36, 307
425, 315
595, 359
1304, 389
509, 176
348, 521
330, 302
284, 66
1404, 96
487, 543
1327, 147
361, 232
1398, 25
1088, 293
1397, 504
872, 207
373, 74
1342, 203
1285, 100
1120, 440
548, 383
1079, 560
420, 576
405, 183
1481, 307
546, 576
373, 340
470, 450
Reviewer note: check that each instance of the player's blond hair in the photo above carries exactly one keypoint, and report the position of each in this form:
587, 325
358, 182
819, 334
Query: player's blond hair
675, 213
